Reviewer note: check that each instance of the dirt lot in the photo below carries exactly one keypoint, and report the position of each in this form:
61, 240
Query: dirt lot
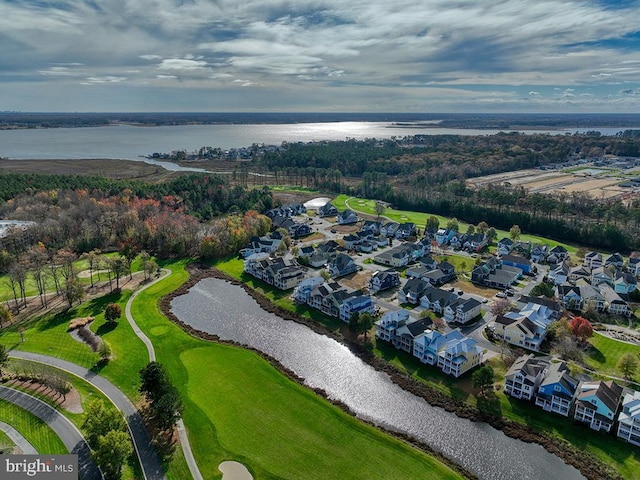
356, 281
555, 181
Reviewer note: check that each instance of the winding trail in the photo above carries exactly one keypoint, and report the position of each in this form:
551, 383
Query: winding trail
17, 438
67, 431
149, 461
182, 432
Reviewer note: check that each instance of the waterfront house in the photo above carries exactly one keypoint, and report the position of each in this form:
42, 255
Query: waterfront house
427, 345
629, 418
389, 322
357, 303
383, 280
597, 404
557, 389
458, 356
405, 334
302, 292
525, 375
347, 217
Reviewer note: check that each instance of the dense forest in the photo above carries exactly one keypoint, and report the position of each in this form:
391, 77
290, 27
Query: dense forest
429, 172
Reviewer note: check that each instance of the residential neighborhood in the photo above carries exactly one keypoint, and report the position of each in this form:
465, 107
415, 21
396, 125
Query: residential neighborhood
354, 266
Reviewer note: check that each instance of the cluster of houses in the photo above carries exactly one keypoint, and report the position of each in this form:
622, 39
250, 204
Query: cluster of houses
452, 352
332, 299
600, 404
601, 283
281, 217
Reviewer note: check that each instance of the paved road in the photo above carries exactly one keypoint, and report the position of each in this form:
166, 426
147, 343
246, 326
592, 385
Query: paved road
149, 461
182, 432
68, 433
17, 438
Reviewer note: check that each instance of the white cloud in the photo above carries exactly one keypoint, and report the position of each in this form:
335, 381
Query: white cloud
182, 64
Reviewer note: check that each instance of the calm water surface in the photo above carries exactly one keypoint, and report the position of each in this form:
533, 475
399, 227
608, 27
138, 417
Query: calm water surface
326, 364
130, 142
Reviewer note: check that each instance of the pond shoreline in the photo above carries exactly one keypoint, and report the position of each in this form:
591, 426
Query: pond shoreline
588, 465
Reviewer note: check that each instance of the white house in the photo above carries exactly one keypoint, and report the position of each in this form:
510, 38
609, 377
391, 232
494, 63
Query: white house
525, 375
389, 322
629, 419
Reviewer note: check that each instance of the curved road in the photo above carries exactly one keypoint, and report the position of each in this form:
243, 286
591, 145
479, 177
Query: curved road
17, 438
67, 431
182, 432
149, 461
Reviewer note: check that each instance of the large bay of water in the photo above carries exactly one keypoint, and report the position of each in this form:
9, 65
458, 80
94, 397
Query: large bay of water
329, 365
130, 142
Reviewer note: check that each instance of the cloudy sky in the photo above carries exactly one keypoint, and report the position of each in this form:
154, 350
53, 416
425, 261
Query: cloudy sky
320, 55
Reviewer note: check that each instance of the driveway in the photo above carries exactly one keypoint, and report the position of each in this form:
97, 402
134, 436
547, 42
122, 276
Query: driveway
149, 461
67, 431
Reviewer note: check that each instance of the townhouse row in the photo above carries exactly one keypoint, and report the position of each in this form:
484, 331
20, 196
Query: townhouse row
549, 385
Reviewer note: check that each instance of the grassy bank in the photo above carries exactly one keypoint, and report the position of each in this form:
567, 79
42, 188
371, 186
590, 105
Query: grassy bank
32, 428
239, 407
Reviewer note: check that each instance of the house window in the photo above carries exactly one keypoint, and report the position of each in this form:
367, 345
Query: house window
557, 388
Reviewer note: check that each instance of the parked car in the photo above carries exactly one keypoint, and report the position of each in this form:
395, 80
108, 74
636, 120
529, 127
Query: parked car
501, 295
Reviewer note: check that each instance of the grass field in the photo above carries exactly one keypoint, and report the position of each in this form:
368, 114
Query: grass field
239, 407
32, 428
604, 354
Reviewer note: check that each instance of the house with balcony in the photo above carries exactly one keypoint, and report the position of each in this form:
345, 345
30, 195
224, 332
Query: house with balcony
383, 281
371, 226
557, 389
615, 260
624, 283
596, 404
633, 267
328, 297
579, 272
614, 303
405, 334
592, 260
602, 275
539, 252
389, 322
462, 310
557, 254
559, 273
629, 418
475, 242
357, 303
302, 291
459, 356
525, 375
427, 345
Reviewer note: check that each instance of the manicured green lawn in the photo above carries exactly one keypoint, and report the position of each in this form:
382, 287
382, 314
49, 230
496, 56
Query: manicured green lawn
420, 219
32, 428
604, 354
238, 407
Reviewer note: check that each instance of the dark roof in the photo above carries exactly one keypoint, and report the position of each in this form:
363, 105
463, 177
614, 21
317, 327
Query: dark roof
419, 326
